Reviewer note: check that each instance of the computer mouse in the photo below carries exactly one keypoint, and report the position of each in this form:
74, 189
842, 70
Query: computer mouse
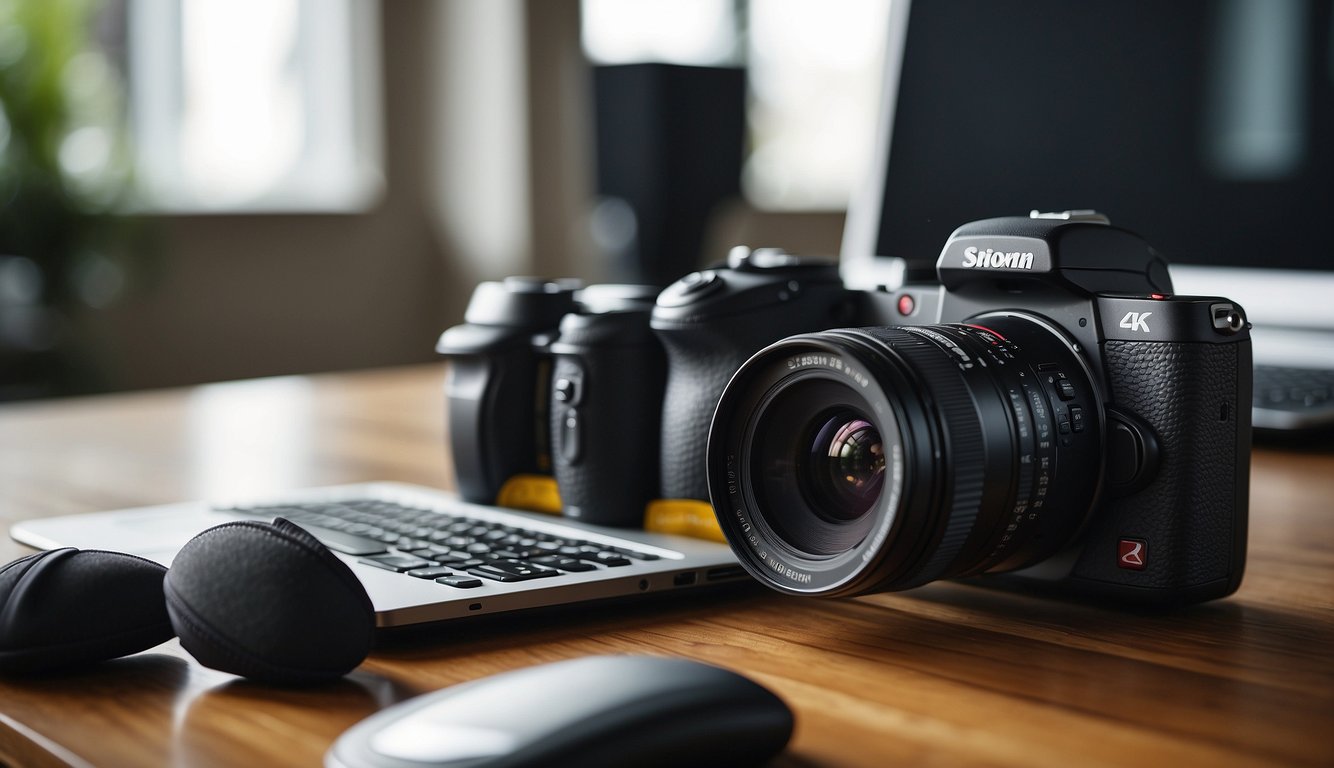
592, 711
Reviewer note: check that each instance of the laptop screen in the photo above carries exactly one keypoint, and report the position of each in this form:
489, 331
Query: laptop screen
1207, 126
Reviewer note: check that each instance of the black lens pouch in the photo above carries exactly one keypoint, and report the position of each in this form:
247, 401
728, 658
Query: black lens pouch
68, 607
261, 600
268, 602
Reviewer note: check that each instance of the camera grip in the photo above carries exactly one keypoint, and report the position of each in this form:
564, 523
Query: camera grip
494, 402
606, 408
1191, 519
700, 363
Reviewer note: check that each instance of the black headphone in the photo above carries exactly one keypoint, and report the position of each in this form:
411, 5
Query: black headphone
265, 601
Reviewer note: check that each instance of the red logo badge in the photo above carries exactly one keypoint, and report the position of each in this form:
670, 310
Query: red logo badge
1132, 553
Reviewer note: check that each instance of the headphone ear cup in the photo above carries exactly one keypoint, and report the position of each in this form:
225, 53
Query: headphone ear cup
268, 602
67, 607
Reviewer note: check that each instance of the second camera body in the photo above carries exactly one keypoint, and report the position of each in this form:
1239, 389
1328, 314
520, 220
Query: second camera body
606, 406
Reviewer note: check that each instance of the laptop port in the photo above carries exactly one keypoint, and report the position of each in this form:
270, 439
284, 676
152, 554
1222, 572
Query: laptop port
725, 573
684, 579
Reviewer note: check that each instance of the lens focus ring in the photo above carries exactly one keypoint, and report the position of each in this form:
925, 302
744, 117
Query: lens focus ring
943, 380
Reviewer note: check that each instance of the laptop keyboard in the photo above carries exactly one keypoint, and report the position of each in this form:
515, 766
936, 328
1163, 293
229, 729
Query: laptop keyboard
1292, 397
450, 549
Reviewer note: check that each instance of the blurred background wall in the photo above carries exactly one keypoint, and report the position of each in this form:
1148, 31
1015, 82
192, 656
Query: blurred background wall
475, 130
251, 294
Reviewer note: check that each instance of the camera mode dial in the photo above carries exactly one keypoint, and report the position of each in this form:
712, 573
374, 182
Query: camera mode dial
690, 288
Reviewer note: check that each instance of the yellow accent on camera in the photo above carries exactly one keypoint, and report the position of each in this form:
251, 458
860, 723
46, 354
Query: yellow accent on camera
535, 493
685, 517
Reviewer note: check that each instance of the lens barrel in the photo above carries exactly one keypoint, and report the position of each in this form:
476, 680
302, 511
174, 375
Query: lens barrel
870, 459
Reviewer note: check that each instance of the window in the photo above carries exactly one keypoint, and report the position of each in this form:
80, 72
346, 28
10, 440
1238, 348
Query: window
256, 105
815, 70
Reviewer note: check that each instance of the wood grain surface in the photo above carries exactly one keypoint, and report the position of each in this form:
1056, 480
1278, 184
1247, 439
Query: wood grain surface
948, 674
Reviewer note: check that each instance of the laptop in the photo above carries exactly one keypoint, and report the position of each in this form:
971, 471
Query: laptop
424, 555
1202, 125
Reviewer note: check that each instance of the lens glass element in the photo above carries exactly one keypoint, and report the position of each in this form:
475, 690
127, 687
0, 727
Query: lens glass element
845, 470
816, 449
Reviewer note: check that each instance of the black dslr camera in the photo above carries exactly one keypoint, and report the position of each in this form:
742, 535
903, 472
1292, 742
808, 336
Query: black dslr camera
1048, 410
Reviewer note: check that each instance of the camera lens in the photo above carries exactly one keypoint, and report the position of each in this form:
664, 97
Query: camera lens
871, 459
818, 466
846, 465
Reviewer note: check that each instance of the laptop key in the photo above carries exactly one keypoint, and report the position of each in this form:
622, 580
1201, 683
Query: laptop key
610, 559
602, 556
520, 553
460, 581
397, 562
634, 554
512, 570
346, 543
562, 563
463, 565
431, 573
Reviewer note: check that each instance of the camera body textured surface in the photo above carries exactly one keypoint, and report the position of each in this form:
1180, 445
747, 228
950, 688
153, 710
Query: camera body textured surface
1194, 397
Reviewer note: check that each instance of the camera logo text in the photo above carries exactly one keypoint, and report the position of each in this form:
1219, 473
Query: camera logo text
1136, 321
992, 259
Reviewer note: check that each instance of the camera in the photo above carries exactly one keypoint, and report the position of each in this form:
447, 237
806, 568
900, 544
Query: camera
1046, 413
552, 380
606, 405
496, 392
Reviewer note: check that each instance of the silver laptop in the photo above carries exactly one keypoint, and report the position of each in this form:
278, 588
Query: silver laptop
1203, 125
424, 555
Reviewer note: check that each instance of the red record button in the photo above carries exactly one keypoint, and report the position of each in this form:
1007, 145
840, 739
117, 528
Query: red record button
1132, 554
906, 304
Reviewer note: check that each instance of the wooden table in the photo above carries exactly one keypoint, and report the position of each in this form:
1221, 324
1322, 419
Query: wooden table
943, 675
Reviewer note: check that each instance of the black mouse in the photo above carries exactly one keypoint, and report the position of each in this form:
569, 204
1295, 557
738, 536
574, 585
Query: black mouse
593, 711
